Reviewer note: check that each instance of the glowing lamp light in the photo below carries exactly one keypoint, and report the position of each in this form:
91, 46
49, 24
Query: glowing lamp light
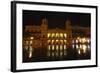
79, 52
83, 40
31, 38
73, 46
56, 40
77, 46
30, 52
88, 40
78, 37
84, 48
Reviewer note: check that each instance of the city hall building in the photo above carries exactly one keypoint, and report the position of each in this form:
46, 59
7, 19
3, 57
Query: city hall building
41, 40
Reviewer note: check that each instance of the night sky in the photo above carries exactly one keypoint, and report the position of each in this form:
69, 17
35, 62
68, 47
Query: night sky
55, 19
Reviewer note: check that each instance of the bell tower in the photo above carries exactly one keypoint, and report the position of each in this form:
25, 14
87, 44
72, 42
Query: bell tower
44, 26
69, 32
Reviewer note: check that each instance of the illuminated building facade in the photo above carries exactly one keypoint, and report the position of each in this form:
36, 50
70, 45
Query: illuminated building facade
55, 42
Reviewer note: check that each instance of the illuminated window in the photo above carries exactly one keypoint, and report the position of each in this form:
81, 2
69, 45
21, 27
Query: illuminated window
48, 41
61, 35
52, 41
83, 40
65, 35
53, 34
57, 34
48, 35
61, 47
56, 41
61, 41
49, 47
65, 41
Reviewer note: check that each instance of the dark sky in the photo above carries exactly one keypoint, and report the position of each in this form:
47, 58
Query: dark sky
55, 19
